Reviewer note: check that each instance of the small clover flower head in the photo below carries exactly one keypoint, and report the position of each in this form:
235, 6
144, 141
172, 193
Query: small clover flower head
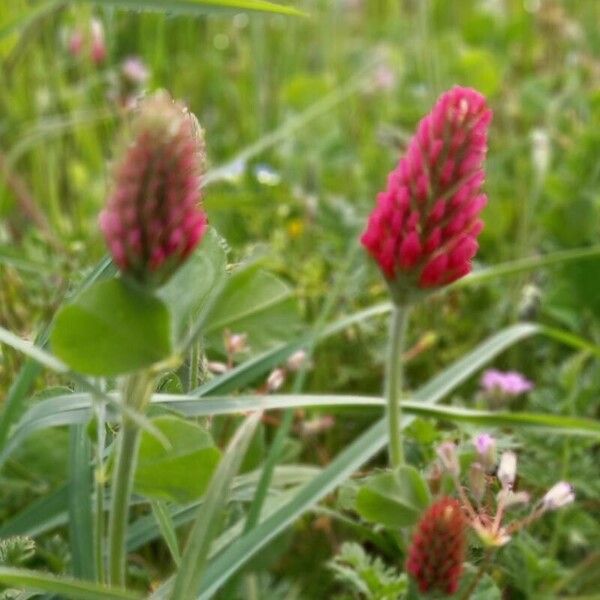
75, 42
423, 230
275, 380
134, 71
485, 446
509, 383
559, 495
507, 471
235, 342
152, 221
449, 458
296, 361
437, 550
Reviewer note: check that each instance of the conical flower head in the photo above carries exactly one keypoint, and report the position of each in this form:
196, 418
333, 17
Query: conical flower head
423, 230
152, 220
436, 554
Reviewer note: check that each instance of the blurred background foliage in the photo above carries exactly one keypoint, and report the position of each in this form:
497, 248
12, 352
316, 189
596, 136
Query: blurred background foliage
304, 117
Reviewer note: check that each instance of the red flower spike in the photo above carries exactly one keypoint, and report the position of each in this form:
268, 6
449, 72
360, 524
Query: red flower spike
152, 221
436, 554
423, 230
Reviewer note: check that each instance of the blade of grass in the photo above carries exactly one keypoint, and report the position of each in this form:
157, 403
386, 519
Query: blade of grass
80, 504
163, 519
199, 7
65, 587
195, 554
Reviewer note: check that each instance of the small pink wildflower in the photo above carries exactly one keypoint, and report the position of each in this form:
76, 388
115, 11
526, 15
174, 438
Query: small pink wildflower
75, 43
423, 230
510, 383
134, 71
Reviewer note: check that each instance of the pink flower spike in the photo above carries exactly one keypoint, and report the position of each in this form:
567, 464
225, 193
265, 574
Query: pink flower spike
152, 220
423, 229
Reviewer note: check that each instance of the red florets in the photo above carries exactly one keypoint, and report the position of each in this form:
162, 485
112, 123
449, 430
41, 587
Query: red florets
436, 554
152, 220
425, 224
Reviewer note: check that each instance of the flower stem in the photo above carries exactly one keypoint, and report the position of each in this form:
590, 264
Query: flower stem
136, 395
393, 383
99, 523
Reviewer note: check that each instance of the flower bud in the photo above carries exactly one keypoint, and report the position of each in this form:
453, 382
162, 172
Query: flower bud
235, 342
485, 446
423, 230
98, 50
507, 471
559, 495
449, 458
275, 380
437, 551
477, 481
152, 221
296, 361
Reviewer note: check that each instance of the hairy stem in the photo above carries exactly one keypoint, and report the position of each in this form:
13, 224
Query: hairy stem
393, 384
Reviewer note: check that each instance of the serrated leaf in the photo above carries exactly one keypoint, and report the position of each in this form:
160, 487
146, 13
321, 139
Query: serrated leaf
112, 328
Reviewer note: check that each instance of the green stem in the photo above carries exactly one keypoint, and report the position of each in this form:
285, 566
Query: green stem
136, 395
393, 383
99, 492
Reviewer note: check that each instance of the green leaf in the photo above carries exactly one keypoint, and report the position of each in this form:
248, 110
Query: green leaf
64, 586
256, 303
182, 472
207, 522
199, 7
395, 499
112, 328
191, 290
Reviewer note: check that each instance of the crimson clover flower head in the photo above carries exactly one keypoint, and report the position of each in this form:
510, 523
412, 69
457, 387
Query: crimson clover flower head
152, 220
423, 230
437, 550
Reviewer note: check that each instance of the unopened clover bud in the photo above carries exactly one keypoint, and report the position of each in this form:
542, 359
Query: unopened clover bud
275, 380
75, 43
507, 471
152, 220
559, 495
449, 458
485, 446
540, 151
477, 481
437, 550
296, 360
98, 50
235, 342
